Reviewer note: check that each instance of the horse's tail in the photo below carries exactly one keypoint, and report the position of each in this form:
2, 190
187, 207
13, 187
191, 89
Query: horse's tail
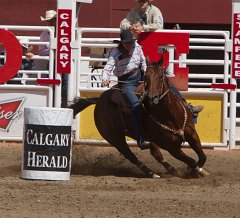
79, 104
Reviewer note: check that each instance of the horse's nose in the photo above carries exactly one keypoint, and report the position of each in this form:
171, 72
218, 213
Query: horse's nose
155, 99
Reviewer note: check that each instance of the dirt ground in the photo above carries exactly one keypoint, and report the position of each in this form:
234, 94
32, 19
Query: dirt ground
104, 184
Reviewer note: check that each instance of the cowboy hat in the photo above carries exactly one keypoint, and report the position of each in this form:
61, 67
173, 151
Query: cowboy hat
25, 44
125, 37
49, 15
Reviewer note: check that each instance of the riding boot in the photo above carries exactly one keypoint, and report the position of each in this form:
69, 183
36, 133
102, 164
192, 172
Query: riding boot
195, 110
138, 126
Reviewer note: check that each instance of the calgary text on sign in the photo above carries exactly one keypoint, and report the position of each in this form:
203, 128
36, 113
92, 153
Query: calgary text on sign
47, 148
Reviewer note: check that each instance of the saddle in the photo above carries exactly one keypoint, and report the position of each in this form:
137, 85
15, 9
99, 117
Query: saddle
117, 97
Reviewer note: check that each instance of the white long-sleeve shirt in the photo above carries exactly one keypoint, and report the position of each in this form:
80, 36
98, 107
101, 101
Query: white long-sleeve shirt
121, 66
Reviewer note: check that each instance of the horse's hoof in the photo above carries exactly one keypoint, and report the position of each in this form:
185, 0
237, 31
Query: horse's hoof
155, 176
202, 172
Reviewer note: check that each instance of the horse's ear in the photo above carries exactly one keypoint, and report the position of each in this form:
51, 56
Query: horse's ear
147, 60
161, 60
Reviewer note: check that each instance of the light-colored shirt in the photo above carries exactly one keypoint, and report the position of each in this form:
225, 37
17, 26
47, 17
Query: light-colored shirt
43, 50
121, 66
154, 19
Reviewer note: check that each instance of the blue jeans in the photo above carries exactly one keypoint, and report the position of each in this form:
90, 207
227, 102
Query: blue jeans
128, 87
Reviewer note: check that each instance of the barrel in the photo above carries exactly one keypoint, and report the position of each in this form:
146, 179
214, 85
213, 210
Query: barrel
47, 143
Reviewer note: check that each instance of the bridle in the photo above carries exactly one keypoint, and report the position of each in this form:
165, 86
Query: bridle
160, 95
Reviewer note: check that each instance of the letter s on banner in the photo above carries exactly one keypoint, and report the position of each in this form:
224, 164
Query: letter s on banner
13, 51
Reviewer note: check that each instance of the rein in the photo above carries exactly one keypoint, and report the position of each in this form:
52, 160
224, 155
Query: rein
160, 96
179, 132
115, 88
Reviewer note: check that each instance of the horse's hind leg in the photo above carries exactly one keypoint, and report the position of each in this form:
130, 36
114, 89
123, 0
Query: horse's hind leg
124, 149
156, 153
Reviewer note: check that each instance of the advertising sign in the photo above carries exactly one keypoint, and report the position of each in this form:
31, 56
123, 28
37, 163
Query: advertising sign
47, 143
9, 111
64, 35
150, 42
236, 41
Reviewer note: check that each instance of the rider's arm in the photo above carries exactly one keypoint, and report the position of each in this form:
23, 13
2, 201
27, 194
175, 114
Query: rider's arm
127, 22
107, 71
143, 64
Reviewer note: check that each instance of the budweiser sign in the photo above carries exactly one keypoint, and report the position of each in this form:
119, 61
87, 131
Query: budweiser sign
9, 111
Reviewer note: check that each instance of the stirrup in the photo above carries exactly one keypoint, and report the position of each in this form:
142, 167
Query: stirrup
143, 145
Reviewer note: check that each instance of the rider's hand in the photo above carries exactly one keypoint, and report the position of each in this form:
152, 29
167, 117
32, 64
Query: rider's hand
105, 83
136, 28
29, 55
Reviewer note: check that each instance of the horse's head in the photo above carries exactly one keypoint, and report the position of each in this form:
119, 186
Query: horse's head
155, 79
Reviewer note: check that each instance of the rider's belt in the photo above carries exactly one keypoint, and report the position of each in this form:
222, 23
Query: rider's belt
126, 76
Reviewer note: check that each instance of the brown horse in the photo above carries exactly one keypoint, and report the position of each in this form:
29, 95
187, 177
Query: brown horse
167, 122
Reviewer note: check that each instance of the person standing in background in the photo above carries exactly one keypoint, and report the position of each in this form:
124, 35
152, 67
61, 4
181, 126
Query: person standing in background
145, 17
50, 18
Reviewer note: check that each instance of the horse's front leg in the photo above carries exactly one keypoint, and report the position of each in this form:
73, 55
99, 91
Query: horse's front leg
180, 155
156, 153
195, 144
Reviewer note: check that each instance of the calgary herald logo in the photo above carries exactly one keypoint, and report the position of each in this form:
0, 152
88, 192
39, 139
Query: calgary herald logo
9, 111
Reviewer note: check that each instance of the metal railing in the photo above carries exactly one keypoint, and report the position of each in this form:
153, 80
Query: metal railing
84, 79
200, 40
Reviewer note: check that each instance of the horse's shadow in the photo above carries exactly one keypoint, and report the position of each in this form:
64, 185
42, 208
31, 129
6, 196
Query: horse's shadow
104, 165
98, 171
110, 165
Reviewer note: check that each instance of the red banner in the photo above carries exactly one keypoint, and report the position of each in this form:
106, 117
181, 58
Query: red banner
150, 42
63, 41
236, 46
